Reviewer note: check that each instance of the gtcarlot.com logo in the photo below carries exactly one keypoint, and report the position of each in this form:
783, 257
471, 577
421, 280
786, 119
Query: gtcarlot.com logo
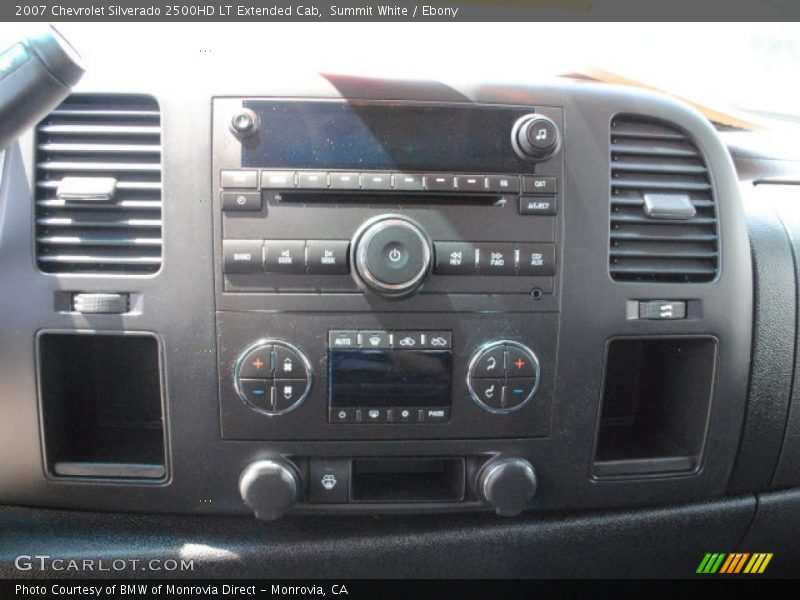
45, 562
734, 563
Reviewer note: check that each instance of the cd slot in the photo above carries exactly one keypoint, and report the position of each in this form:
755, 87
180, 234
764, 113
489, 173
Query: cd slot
405, 198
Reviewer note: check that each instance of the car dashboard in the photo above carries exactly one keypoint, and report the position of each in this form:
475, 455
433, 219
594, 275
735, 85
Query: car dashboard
551, 312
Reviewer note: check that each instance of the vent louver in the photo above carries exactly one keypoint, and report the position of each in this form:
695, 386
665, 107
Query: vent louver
655, 161
110, 143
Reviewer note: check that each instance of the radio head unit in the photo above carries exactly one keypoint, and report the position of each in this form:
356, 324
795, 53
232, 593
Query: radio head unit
366, 202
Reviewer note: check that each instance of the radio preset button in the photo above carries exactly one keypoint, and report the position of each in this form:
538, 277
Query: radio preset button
440, 182
312, 180
374, 339
537, 259
533, 184
344, 181
503, 183
343, 339
537, 205
242, 256
454, 258
408, 182
491, 364
257, 364
234, 201
327, 257
277, 179
471, 183
376, 181
239, 179
496, 259
285, 256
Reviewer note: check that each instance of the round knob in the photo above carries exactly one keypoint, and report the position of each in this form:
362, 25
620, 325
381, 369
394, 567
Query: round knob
503, 376
535, 137
392, 255
508, 485
270, 487
273, 376
244, 123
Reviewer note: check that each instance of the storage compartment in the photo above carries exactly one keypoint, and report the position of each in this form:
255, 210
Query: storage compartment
408, 480
101, 405
656, 400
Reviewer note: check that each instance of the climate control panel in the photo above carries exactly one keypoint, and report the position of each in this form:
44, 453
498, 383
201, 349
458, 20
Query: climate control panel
273, 377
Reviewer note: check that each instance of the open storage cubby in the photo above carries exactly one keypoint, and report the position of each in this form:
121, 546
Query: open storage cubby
656, 401
101, 404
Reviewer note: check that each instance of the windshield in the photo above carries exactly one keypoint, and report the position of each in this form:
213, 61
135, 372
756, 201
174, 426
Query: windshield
751, 67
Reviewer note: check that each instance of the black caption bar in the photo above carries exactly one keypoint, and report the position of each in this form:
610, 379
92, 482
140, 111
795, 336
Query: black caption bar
400, 10
349, 589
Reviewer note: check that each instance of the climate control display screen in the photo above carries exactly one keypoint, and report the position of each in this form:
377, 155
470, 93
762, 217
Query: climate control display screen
406, 379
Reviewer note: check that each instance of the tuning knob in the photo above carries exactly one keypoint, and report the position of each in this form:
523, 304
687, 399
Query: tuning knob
392, 255
507, 484
270, 487
535, 137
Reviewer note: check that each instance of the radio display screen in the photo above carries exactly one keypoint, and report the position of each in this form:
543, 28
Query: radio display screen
382, 135
390, 378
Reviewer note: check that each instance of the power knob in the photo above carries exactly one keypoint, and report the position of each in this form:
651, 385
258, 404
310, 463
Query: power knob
270, 487
507, 484
244, 123
535, 137
392, 255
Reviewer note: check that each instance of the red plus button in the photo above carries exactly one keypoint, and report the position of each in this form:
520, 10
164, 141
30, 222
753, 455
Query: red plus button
519, 364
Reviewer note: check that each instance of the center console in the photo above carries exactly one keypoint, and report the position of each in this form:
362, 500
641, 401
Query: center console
388, 271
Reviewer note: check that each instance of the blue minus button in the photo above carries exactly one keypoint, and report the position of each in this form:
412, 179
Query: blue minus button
520, 389
257, 392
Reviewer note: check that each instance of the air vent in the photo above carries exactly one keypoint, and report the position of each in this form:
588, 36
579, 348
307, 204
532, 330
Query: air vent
663, 209
98, 186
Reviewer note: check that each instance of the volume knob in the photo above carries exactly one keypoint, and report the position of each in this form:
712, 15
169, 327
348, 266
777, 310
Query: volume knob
508, 485
270, 487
